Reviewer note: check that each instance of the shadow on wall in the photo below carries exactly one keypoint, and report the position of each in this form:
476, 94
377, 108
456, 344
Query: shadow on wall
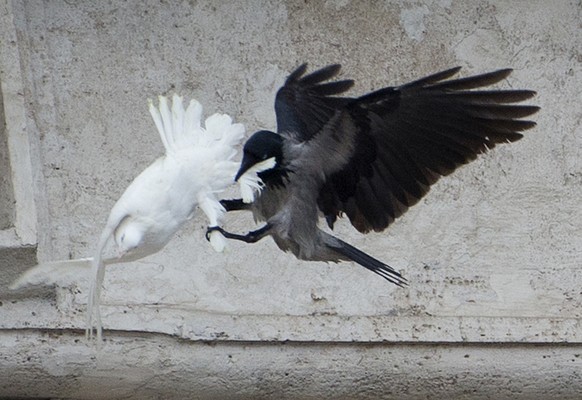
6, 190
14, 257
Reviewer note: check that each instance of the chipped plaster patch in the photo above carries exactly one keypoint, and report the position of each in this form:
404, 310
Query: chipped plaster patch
412, 20
444, 3
337, 4
483, 48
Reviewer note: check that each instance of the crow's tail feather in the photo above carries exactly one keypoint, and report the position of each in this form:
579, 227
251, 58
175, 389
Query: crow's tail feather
369, 262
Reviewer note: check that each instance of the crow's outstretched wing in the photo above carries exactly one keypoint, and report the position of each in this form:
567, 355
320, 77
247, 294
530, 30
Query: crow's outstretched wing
305, 104
406, 138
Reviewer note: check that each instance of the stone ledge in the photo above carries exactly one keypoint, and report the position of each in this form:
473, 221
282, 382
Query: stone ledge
148, 366
190, 324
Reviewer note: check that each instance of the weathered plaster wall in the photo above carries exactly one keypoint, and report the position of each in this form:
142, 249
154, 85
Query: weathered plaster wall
493, 253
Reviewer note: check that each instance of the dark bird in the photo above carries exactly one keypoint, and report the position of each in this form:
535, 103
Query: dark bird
369, 157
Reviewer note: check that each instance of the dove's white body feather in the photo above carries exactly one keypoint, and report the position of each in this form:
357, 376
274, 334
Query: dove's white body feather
197, 166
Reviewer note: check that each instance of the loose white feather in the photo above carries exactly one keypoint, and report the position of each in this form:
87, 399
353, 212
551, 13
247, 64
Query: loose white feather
250, 183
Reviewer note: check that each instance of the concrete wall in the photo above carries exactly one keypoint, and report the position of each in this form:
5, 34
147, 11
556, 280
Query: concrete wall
493, 253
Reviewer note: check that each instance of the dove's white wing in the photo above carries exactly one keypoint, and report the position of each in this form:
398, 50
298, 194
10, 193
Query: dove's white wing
50, 273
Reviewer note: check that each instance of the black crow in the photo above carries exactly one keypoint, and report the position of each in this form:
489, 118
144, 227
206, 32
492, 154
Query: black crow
369, 157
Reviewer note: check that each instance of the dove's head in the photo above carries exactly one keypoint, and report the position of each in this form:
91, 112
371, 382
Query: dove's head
128, 237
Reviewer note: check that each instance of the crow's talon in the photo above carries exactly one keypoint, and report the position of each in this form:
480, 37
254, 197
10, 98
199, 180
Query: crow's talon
211, 229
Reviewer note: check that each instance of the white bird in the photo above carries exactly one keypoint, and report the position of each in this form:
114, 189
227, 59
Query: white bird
198, 164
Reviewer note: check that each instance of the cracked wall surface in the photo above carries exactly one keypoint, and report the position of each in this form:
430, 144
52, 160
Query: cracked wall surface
493, 253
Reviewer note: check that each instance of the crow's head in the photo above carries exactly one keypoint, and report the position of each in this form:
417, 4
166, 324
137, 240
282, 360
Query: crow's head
260, 147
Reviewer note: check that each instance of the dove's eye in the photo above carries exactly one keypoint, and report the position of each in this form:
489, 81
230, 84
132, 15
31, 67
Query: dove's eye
128, 235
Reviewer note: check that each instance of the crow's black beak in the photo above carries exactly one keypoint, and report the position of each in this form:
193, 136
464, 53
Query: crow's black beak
246, 163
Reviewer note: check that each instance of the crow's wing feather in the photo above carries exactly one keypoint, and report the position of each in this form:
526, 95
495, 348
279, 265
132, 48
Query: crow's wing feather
407, 137
305, 104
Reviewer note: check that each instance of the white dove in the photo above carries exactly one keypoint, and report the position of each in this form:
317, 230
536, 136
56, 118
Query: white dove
196, 167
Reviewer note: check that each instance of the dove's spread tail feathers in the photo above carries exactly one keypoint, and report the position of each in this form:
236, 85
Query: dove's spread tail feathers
181, 129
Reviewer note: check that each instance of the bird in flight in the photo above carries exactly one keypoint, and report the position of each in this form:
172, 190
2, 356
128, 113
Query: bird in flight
369, 157
197, 165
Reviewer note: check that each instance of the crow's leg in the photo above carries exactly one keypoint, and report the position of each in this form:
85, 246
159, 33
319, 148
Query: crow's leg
251, 237
234, 205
